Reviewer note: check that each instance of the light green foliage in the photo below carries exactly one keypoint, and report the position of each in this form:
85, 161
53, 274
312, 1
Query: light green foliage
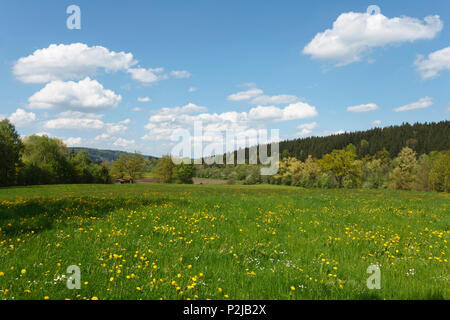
440, 172
402, 177
343, 165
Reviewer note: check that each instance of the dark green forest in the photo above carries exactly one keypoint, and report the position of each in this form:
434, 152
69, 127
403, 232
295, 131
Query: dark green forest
421, 137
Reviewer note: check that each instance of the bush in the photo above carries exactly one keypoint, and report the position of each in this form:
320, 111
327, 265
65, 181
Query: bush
183, 173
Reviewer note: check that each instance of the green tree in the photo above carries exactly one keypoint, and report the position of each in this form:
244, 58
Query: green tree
119, 168
402, 177
11, 148
342, 165
164, 169
183, 173
46, 161
440, 172
134, 166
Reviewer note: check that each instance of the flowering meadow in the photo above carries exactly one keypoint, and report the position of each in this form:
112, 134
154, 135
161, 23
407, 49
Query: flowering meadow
222, 242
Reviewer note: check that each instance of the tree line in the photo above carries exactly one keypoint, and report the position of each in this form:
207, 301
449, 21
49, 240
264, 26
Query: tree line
37, 160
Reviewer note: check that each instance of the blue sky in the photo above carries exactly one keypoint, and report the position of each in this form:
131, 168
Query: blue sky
193, 58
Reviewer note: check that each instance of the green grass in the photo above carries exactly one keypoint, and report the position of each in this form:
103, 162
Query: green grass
252, 242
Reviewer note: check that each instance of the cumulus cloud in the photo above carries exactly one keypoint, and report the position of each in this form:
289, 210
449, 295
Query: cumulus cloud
124, 143
245, 95
22, 118
363, 108
192, 89
74, 124
147, 75
168, 120
170, 114
69, 62
71, 120
256, 96
353, 34
73, 142
118, 128
306, 128
435, 63
421, 104
86, 95
295, 111
136, 109
180, 74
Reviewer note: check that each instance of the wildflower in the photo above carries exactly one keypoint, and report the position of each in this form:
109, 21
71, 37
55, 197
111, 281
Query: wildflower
292, 288
94, 298
23, 271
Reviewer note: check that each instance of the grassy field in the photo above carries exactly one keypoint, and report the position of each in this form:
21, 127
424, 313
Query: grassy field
222, 242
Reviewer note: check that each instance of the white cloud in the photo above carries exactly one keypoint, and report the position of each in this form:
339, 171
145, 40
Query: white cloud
74, 124
354, 34
180, 74
79, 115
72, 142
124, 143
86, 95
295, 111
306, 128
103, 137
256, 96
192, 89
147, 75
277, 99
22, 118
363, 108
170, 114
245, 95
421, 104
41, 134
118, 128
164, 123
376, 123
71, 120
299, 110
436, 62
73, 61
144, 99
136, 109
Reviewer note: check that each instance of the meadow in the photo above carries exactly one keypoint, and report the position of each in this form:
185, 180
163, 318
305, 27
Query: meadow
160, 241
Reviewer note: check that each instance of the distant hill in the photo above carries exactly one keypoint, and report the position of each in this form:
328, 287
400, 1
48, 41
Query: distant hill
98, 155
